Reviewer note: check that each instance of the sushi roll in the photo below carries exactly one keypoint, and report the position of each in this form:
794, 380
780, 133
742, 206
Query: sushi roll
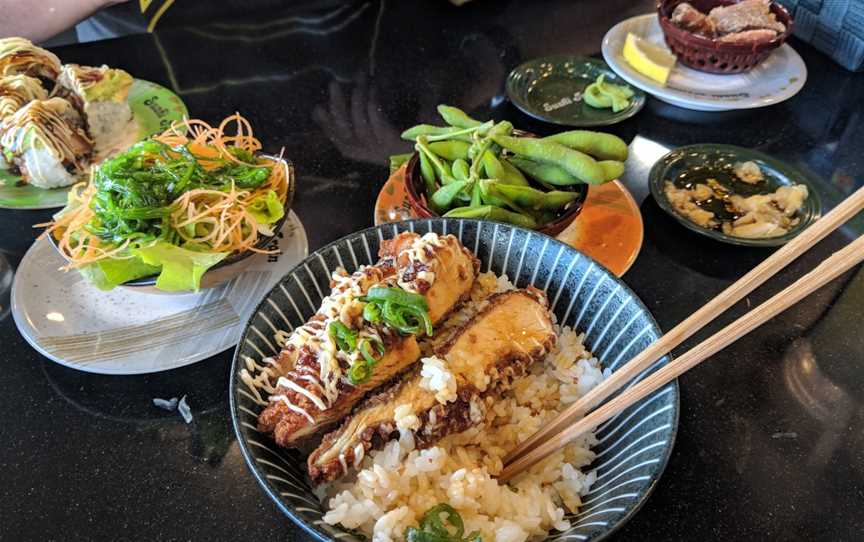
100, 95
45, 140
19, 56
16, 91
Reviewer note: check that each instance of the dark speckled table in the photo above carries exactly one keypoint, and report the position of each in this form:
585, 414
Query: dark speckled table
771, 438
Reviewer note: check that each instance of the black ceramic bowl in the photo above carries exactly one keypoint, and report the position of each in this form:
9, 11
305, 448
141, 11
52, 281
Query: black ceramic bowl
634, 445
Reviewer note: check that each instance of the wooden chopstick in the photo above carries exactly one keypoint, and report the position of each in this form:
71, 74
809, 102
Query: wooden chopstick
840, 262
696, 321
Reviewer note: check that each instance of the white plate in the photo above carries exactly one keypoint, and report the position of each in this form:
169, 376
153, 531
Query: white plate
778, 78
128, 332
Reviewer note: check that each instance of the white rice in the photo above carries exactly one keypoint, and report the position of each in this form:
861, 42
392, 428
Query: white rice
398, 484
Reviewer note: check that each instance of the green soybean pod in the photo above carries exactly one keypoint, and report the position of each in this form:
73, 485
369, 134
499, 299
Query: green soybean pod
512, 217
427, 171
451, 150
488, 195
398, 160
612, 169
475, 194
478, 211
411, 134
597, 144
544, 173
444, 196
512, 175
492, 166
518, 197
531, 198
576, 163
460, 169
557, 199
456, 117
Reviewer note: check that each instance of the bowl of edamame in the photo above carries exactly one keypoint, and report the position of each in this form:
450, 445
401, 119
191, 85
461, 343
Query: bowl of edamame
492, 171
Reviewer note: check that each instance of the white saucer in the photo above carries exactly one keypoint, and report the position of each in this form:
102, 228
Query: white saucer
778, 78
128, 332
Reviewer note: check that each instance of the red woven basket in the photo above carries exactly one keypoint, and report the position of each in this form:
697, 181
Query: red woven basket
708, 55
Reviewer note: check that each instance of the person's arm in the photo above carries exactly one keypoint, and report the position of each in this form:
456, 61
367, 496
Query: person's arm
40, 20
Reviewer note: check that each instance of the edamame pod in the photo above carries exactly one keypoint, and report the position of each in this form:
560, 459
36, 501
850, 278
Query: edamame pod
597, 144
444, 196
398, 160
475, 194
612, 169
576, 163
460, 169
511, 217
512, 175
488, 195
531, 198
442, 168
427, 171
456, 117
411, 134
451, 150
479, 211
544, 173
502, 171
490, 212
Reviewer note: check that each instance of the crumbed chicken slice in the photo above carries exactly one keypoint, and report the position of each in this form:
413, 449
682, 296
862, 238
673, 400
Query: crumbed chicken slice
307, 418
690, 18
749, 36
309, 388
497, 346
745, 15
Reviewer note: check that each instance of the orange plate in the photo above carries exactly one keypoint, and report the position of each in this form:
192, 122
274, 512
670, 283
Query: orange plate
609, 228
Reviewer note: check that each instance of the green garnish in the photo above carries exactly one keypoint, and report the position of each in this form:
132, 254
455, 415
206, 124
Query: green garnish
361, 369
601, 94
406, 312
347, 341
343, 336
433, 528
135, 189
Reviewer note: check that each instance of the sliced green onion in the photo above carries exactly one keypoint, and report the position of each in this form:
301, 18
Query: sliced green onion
433, 529
397, 296
365, 348
372, 313
359, 372
345, 339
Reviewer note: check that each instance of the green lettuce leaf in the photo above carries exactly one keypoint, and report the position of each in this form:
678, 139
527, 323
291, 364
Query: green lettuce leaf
181, 268
106, 274
266, 209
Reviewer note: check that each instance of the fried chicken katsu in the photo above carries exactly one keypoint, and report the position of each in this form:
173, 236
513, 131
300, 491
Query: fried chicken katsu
353, 345
445, 395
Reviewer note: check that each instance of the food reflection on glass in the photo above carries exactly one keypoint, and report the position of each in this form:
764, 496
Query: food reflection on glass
56, 120
482, 366
174, 206
709, 200
488, 170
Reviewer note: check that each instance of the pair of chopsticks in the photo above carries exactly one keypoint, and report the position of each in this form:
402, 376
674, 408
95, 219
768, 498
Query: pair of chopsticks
570, 423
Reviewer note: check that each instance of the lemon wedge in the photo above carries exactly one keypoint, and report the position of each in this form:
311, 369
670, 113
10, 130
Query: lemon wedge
647, 58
